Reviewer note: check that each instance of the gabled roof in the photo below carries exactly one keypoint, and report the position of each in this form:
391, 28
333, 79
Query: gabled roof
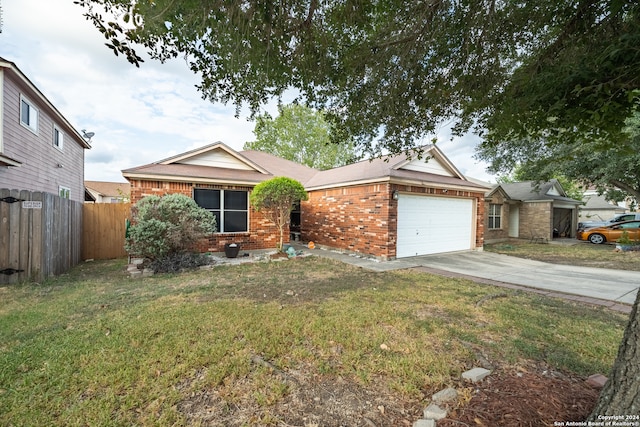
10, 66
598, 202
277, 166
432, 168
105, 188
532, 191
218, 163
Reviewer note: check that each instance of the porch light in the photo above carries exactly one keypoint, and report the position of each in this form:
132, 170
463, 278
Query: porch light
395, 194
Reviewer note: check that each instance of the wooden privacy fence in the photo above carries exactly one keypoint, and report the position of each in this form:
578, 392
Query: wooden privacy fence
40, 235
104, 230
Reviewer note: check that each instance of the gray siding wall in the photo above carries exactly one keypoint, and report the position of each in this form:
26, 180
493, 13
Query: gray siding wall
36, 152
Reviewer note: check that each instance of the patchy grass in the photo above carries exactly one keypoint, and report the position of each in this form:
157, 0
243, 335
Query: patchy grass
580, 253
281, 343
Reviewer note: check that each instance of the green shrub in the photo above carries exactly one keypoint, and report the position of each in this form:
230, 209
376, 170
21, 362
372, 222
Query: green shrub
163, 226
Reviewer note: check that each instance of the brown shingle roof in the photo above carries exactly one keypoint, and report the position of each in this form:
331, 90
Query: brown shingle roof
387, 168
104, 188
278, 166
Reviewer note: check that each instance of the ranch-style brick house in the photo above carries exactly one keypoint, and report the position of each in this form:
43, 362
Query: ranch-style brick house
387, 208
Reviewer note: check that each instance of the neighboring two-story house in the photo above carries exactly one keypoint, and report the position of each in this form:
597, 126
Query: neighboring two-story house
39, 149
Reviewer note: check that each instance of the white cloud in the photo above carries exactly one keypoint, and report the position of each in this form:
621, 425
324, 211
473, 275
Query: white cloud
139, 115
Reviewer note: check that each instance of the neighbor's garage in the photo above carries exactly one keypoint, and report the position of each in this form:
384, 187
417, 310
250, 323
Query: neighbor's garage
429, 225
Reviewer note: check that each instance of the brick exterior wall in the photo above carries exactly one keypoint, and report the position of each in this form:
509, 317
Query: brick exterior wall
356, 219
262, 233
363, 219
536, 219
360, 219
502, 233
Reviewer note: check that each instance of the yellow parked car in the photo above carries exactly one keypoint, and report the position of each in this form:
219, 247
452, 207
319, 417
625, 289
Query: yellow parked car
610, 233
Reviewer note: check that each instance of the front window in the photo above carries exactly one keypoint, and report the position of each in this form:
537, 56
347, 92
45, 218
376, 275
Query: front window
230, 207
28, 115
495, 213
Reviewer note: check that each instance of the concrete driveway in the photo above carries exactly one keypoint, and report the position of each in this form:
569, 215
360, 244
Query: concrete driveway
592, 285
601, 283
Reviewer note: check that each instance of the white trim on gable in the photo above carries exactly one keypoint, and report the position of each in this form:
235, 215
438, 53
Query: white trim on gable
427, 165
553, 191
217, 155
432, 161
216, 159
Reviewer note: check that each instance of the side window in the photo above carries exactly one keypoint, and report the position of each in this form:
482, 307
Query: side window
634, 224
58, 138
64, 192
28, 115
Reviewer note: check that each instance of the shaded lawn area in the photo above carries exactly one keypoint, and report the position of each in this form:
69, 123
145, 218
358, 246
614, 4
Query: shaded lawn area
297, 342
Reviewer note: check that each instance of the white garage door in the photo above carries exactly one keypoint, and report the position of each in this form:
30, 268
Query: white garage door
429, 225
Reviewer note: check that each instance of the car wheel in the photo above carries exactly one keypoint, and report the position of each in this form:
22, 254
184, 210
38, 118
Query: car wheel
597, 239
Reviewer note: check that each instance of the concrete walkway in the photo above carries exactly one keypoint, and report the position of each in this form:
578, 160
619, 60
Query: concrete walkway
607, 287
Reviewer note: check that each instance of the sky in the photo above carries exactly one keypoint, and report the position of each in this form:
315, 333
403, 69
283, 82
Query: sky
139, 115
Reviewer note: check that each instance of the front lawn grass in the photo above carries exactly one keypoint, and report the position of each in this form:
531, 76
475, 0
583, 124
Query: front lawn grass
581, 253
94, 347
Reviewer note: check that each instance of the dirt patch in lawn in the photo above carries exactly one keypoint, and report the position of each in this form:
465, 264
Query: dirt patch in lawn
516, 397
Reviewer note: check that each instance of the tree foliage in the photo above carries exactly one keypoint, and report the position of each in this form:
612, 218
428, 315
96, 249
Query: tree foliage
167, 225
614, 171
302, 135
393, 71
276, 198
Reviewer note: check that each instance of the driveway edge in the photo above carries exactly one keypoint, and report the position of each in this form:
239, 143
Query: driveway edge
612, 305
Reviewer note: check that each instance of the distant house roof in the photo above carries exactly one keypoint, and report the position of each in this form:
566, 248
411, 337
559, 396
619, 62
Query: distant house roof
217, 163
109, 189
599, 202
530, 191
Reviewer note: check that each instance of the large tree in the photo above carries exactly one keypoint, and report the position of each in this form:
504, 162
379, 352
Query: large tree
300, 134
389, 72
614, 170
392, 71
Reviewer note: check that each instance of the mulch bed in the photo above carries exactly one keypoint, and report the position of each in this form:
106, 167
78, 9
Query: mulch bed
522, 398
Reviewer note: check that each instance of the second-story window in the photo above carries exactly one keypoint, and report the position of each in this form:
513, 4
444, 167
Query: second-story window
28, 115
58, 138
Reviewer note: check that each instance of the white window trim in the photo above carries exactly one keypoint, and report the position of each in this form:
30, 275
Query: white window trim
64, 192
494, 216
33, 127
57, 130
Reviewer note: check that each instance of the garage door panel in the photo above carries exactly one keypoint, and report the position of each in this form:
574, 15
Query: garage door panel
429, 225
